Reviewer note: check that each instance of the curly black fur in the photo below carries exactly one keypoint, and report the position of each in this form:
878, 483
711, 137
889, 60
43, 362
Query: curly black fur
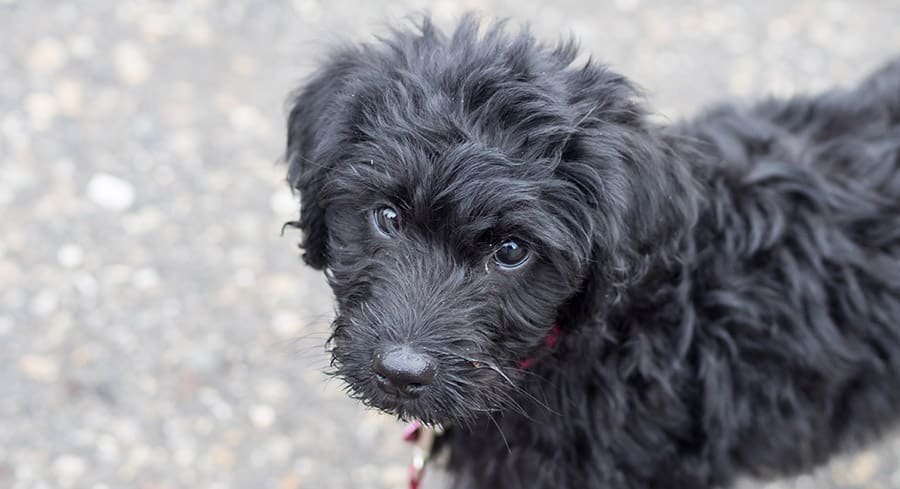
728, 288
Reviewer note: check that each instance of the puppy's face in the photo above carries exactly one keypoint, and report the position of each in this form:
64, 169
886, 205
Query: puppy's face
449, 268
464, 194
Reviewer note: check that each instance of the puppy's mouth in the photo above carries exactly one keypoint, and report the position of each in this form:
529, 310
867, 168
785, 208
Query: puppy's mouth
450, 390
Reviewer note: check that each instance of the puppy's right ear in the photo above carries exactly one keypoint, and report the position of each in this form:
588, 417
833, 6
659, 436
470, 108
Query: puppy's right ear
314, 116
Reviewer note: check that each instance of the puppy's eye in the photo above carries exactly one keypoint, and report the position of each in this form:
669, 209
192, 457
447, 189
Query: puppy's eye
386, 220
511, 255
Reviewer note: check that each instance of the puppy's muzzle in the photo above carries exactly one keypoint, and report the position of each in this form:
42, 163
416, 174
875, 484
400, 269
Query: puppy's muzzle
402, 371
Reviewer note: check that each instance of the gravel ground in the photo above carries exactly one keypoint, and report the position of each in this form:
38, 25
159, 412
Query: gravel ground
155, 330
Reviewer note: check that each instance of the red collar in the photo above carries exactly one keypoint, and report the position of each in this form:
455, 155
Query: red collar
549, 342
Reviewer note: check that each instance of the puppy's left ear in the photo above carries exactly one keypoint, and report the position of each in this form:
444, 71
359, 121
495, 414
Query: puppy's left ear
313, 118
640, 193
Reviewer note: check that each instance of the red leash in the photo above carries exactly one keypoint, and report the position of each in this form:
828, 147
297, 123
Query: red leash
423, 437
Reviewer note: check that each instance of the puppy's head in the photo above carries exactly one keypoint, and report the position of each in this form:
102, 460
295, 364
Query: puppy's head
464, 193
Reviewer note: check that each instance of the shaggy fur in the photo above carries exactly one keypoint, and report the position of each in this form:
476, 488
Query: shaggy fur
728, 289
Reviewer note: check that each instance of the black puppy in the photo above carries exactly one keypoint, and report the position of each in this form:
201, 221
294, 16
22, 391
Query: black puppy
582, 298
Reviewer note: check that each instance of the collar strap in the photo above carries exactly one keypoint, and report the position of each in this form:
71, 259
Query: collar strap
422, 437
549, 342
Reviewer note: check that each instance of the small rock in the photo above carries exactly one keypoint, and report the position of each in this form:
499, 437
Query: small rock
272, 389
289, 481
81, 46
262, 416
199, 33
243, 65
6, 325
244, 278
40, 368
107, 449
131, 64
221, 456
862, 469
145, 278
70, 256
286, 324
69, 97
110, 192
47, 55
69, 468
41, 108
44, 303
245, 117
283, 203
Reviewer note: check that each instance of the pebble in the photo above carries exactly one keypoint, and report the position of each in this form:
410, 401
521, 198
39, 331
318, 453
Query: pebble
69, 468
860, 469
44, 303
289, 481
245, 117
222, 456
47, 55
243, 65
284, 203
132, 65
41, 108
69, 97
6, 325
145, 278
70, 256
199, 33
41, 368
110, 192
286, 324
82, 46
262, 416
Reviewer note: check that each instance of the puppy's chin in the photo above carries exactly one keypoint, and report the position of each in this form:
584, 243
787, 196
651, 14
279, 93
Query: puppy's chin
458, 400
410, 409
427, 409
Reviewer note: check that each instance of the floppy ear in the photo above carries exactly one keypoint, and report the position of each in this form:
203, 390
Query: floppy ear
313, 118
638, 190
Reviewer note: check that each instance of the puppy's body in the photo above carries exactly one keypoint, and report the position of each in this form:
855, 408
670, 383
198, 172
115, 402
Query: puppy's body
728, 290
770, 342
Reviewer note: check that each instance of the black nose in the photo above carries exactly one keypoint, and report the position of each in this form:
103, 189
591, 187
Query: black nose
403, 371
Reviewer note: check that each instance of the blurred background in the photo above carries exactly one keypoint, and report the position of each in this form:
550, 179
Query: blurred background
157, 332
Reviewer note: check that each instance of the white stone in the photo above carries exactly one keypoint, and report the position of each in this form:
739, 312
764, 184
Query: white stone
110, 192
131, 63
262, 416
41, 368
245, 117
286, 324
47, 55
244, 278
44, 303
70, 256
243, 64
6, 325
69, 97
145, 278
81, 46
199, 33
41, 108
69, 468
284, 203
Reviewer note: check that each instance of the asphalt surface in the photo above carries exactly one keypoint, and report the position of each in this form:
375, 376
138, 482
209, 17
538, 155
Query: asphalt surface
157, 332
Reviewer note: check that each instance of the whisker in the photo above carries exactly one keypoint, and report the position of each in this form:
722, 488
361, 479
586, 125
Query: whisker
500, 430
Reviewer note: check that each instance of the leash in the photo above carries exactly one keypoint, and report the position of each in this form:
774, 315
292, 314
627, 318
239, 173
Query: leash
422, 437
